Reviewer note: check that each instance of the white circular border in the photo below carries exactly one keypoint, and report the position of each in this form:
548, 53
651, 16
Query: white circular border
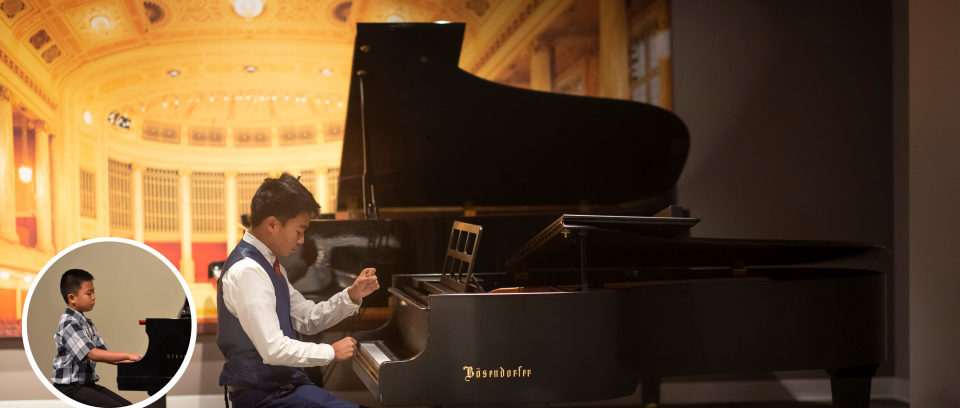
193, 323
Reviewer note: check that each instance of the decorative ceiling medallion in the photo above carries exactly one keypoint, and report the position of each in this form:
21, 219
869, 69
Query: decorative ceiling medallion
478, 7
51, 53
248, 9
12, 7
100, 23
207, 136
154, 12
161, 132
342, 11
251, 137
291, 136
332, 131
39, 39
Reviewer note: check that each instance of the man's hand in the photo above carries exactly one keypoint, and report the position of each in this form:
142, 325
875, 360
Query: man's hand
343, 349
365, 284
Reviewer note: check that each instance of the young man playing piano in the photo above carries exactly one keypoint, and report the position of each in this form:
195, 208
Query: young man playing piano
258, 310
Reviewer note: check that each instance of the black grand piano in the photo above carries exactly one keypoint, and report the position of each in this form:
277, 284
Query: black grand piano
169, 340
577, 287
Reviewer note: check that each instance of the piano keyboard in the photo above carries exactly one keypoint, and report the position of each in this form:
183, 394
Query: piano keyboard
371, 354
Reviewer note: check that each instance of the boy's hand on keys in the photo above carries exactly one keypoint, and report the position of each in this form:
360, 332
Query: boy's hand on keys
344, 348
365, 284
131, 358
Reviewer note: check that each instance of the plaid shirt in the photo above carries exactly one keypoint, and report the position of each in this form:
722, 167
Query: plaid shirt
76, 336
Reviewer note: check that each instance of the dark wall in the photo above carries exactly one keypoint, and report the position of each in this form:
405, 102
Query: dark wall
789, 107
934, 185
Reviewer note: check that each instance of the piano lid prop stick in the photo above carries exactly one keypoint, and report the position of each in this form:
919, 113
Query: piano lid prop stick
369, 209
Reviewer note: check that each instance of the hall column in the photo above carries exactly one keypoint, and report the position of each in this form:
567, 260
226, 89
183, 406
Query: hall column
541, 65
138, 220
186, 243
232, 218
323, 194
614, 58
42, 172
8, 196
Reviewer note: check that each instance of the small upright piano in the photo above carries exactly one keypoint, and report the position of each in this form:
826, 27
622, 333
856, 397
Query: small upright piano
169, 340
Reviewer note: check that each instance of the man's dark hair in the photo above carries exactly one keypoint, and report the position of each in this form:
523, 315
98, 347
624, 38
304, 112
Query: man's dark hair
71, 281
283, 197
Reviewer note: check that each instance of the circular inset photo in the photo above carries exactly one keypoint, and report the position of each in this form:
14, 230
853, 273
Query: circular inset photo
108, 323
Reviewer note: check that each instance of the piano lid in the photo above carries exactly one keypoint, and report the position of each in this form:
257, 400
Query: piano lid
439, 136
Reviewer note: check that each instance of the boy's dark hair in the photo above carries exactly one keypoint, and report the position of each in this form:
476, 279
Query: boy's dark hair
283, 197
71, 281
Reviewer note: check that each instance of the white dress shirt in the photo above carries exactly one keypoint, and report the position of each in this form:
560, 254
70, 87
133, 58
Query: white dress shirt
248, 294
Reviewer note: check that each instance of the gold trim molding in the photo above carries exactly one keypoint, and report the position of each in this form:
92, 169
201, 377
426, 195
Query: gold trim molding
8, 60
506, 34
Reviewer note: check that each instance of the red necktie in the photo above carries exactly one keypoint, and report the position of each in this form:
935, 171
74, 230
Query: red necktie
276, 267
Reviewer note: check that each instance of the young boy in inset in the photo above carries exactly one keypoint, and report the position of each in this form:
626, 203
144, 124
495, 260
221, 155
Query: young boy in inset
259, 311
80, 348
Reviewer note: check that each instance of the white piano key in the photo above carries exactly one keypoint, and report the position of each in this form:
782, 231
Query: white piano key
372, 350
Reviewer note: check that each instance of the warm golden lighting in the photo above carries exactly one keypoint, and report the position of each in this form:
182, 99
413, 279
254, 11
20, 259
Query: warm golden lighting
26, 174
100, 23
81, 56
248, 8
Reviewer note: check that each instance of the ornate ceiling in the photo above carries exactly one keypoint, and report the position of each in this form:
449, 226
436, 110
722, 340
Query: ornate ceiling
118, 55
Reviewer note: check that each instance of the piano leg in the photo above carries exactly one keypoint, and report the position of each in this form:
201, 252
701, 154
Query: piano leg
851, 386
650, 392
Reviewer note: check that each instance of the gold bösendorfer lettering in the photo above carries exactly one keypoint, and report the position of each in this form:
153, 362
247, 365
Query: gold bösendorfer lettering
471, 372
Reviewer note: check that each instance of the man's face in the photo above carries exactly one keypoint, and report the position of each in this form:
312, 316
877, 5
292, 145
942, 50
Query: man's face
290, 235
85, 298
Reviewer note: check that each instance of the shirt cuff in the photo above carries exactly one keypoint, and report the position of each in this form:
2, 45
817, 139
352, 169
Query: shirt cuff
348, 301
328, 350
83, 352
